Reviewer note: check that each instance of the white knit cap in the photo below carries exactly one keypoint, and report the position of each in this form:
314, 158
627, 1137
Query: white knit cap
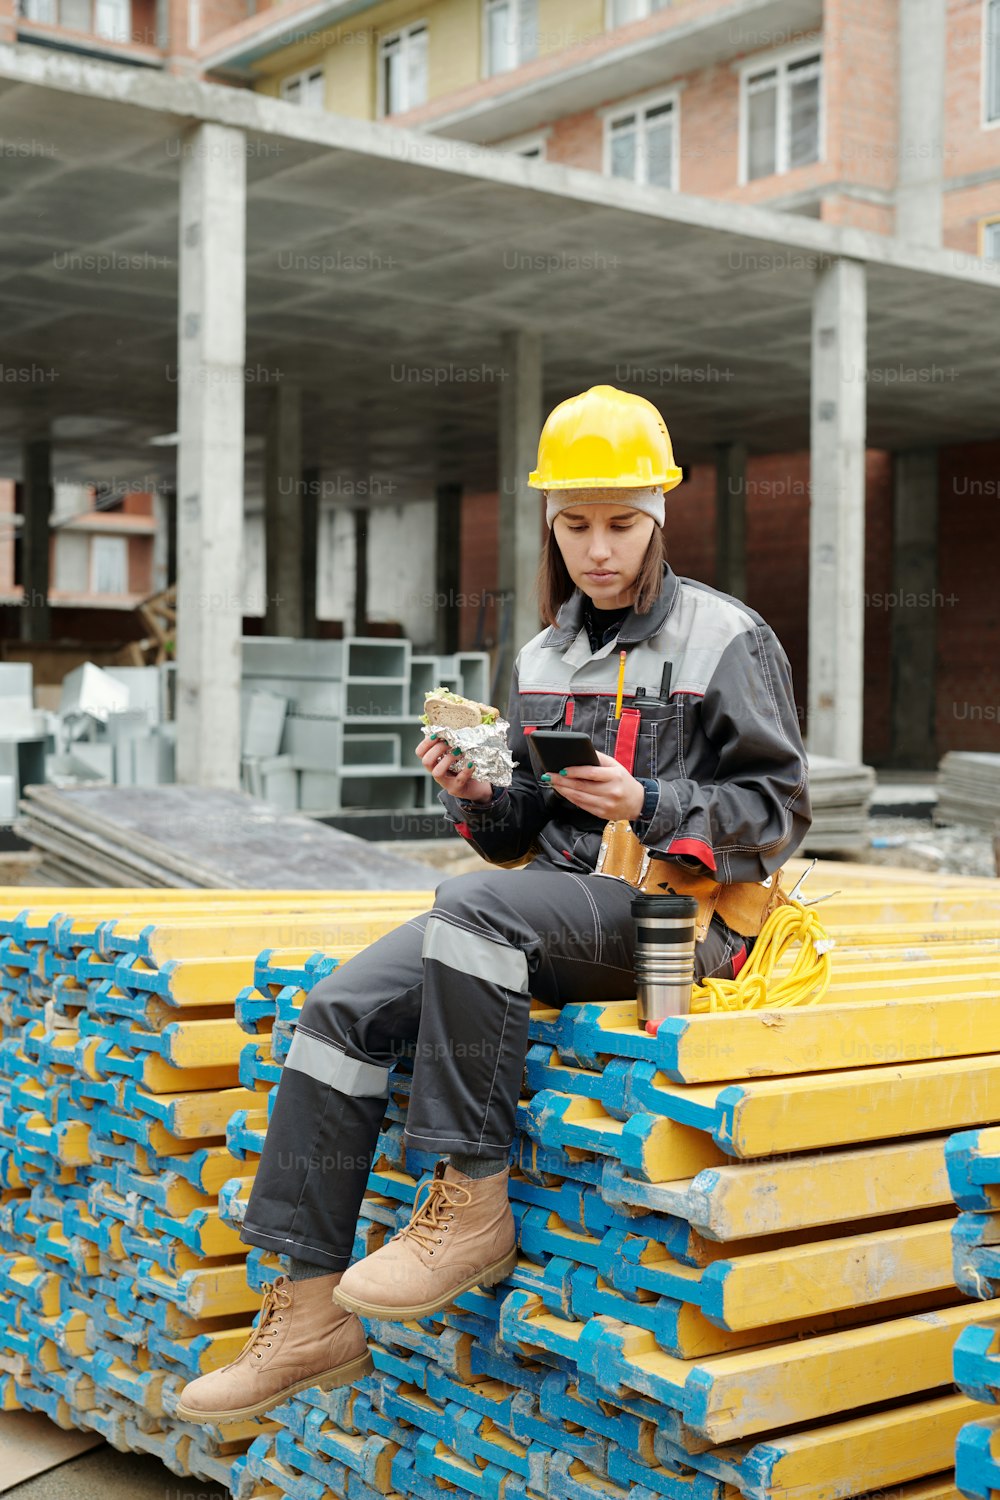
649, 501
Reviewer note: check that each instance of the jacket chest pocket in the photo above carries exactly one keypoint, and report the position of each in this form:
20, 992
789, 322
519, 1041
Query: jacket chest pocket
657, 744
542, 710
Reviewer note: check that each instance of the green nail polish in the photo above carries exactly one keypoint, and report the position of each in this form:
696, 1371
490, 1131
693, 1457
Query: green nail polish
545, 777
433, 736
468, 765
456, 752
562, 773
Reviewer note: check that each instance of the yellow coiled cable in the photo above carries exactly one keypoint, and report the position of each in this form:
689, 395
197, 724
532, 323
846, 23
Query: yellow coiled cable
758, 984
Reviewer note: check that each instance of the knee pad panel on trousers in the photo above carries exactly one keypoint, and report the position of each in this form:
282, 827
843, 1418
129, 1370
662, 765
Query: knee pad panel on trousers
326, 1009
475, 895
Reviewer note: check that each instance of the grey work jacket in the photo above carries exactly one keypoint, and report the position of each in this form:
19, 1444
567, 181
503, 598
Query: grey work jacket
725, 747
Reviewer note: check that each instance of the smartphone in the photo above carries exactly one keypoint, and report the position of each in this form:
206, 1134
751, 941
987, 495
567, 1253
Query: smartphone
552, 749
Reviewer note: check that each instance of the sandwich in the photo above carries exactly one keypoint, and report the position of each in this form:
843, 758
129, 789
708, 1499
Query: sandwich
452, 711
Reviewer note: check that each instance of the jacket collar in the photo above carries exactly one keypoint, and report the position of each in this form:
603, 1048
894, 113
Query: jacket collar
634, 628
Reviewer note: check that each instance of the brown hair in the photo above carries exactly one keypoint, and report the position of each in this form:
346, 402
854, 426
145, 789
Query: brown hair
555, 586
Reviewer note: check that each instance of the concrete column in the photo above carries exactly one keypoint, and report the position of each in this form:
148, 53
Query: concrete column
922, 55
360, 573
731, 519
837, 511
211, 344
447, 566
36, 484
283, 512
312, 482
9, 523
520, 422
914, 625
164, 502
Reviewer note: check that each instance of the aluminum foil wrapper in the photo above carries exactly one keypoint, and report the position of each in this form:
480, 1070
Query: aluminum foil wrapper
485, 745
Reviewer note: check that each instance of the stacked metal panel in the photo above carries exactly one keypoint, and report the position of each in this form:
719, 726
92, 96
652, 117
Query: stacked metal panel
735, 1237
330, 726
969, 789
973, 1158
841, 793
119, 1074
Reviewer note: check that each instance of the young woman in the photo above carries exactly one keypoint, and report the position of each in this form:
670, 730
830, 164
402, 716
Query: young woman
711, 772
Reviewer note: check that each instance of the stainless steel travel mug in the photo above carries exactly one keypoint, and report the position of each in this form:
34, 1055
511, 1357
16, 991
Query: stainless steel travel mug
664, 955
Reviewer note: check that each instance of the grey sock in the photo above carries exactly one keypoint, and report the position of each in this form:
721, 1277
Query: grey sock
305, 1270
477, 1166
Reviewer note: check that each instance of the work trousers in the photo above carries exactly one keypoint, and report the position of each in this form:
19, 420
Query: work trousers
451, 989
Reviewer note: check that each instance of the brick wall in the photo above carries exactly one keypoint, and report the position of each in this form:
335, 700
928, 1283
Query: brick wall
777, 575
968, 650
967, 600
969, 147
478, 571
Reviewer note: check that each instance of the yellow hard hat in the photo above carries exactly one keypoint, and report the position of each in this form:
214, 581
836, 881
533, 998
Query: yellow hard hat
604, 439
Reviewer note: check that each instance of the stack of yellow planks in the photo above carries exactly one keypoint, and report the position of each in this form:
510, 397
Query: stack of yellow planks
119, 1075
735, 1269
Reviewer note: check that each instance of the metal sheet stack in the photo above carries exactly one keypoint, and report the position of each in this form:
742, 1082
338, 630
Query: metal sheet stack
735, 1268
969, 789
973, 1158
190, 836
841, 793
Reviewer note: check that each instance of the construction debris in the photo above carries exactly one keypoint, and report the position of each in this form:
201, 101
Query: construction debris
181, 836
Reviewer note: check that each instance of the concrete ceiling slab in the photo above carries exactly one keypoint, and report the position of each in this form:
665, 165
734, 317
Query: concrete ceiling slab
385, 266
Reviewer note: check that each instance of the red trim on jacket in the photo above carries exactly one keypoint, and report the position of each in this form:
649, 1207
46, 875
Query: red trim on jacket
697, 847
625, 739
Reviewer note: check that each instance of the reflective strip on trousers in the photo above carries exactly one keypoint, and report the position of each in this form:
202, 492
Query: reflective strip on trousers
480, 958
327, 1064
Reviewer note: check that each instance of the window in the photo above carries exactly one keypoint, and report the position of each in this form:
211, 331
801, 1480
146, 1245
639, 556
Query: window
621, 12
511, 34
39, 10
991, 239
641, 142
991, 59
305, 89
781, 116
526, 145
109, 565
403, 69
112, 20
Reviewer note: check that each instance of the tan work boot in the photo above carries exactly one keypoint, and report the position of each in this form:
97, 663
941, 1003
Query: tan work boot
303, 1338
462, 1235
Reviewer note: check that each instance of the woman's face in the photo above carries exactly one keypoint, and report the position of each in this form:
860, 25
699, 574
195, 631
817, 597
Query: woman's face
603, 547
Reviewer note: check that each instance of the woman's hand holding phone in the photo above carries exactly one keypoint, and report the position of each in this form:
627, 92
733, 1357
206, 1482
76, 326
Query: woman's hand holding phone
452, 771
607, 790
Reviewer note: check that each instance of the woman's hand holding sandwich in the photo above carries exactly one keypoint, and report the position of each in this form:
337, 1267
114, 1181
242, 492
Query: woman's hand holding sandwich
452, 771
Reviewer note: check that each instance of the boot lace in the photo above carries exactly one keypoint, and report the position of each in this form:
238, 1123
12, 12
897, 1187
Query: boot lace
277, 1297
429, 1217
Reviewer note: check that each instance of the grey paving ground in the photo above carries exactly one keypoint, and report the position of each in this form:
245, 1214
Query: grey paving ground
106, 1474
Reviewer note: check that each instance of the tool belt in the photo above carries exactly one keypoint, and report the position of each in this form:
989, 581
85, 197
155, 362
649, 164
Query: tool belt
743, 905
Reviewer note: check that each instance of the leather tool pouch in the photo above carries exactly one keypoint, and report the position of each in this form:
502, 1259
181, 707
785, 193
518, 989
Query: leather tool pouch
743, 905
